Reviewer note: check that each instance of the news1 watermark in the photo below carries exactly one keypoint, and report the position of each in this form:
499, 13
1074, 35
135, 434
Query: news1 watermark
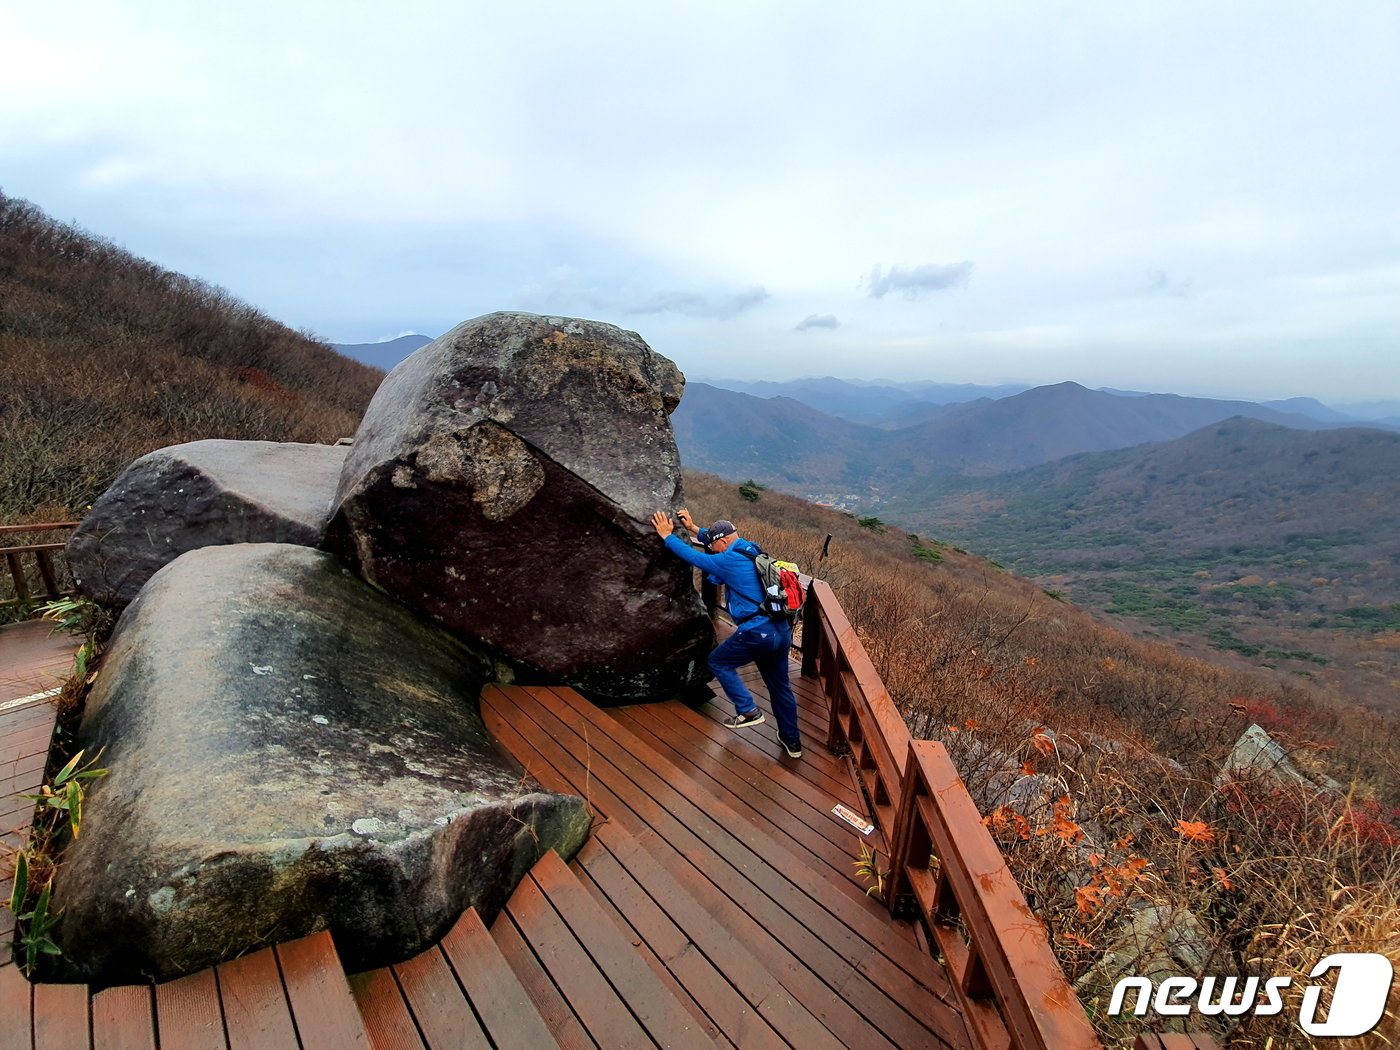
1359, 995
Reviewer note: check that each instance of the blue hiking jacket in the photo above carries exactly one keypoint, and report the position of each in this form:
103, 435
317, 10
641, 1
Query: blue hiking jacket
736, 571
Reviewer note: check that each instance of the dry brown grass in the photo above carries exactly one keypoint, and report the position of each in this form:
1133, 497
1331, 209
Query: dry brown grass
1112, 745
107, 357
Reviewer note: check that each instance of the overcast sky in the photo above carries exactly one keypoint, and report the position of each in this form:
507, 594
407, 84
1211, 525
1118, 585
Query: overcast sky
1195, 197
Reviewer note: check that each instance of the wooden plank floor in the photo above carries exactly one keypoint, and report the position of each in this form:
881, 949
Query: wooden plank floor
293, 996
32, 660
715, 904
749, 907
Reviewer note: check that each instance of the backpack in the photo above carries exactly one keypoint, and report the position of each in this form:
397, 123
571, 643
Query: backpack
783, 593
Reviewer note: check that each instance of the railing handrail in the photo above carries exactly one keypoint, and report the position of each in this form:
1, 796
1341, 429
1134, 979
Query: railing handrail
1008, 981
48, 527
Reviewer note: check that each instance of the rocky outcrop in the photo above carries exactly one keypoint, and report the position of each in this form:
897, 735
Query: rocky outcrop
1155, 942
289, 750
502, 483
201, 494
1258, 759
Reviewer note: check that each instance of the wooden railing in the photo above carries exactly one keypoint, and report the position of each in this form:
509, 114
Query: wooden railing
48, 585
943, 861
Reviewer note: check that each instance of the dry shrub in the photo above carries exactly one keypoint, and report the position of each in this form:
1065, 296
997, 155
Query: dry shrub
108, 357
1094, 756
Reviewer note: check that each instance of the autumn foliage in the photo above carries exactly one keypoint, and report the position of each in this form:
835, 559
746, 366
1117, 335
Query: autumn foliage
1096, 759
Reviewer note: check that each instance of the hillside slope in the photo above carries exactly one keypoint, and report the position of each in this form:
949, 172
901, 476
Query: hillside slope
1094, 757
1279, 545
882, 574
107, 356
776, 441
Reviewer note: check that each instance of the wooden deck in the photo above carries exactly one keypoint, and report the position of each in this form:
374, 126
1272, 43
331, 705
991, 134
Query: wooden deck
33, 660
33, 665
715, 904
294, 995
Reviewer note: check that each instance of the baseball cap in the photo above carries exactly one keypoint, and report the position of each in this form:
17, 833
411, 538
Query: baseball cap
717, 531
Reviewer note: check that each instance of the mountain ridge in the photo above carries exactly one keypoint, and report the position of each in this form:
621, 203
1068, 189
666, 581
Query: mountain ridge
1276, 545
385, 354
785, 442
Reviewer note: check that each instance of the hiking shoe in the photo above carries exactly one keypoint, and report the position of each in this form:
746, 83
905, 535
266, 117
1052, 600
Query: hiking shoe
793, 750
752, 718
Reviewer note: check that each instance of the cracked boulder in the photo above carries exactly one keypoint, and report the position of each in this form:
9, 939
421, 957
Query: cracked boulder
502, 482
201, 494
289, 751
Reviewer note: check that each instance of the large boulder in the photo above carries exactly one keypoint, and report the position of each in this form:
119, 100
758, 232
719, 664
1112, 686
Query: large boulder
289, 751
200, 494
1258, 759
503, 481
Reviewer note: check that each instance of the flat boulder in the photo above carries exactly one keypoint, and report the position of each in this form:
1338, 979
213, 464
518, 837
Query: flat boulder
502, 482
289, 751
201, 494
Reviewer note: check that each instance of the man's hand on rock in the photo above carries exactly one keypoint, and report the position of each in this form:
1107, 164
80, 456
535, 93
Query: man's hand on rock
662, 523
688, 522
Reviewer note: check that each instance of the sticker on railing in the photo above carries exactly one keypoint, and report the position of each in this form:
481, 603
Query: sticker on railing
854, 819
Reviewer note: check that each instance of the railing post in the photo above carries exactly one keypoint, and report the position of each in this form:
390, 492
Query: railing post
838, 740
47, 574
901, 844
812, 638
17, 574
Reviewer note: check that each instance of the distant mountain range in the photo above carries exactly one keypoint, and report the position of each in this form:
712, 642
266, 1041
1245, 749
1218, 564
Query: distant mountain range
1277, 544
891, 404
882, 403
786, 443
383, 355
901, 404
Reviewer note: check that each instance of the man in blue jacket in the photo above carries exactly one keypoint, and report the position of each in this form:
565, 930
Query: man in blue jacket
757, 639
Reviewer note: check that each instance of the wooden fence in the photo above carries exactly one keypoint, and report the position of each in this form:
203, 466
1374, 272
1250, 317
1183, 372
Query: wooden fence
36, 574
944, 863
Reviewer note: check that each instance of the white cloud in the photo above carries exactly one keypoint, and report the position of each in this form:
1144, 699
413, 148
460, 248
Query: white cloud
358, 170
718, 306
915, 281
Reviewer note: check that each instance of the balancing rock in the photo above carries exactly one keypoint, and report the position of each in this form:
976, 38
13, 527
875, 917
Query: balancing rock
502, 483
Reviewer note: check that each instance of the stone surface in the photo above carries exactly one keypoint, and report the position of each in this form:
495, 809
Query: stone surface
1156, 942
200, 494
289, 751
1257, 758
502, 482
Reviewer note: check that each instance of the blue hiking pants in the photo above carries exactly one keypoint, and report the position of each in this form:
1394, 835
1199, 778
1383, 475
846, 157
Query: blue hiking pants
765, 644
